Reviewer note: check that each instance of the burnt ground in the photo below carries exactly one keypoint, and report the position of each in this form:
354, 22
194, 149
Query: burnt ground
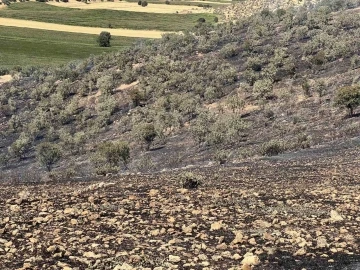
295, 211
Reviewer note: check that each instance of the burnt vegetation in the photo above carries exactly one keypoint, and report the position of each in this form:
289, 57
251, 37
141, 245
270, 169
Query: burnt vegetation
264, 85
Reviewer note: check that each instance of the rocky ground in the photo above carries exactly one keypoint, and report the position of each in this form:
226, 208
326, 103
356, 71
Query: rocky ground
298, 213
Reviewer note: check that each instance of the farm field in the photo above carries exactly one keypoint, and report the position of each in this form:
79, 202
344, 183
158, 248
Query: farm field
102, 18
153, 7
80, 29
23, 46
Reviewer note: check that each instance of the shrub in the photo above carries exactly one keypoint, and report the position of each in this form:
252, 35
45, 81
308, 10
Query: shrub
263, 88
109, 155
216, 19
104, 39
348, 97
20, 147
139, 3
355, 61
229, 50
272, 148
190, 180
48, 154
201, 20
106, 84
319, 59
320, 87
167, 2
147, 134
306, 88
221, 156
136, 97
144, 3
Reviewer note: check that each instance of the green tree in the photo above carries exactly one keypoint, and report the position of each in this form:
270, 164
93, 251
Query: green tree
109, 155
20, 147
48, 154
147, 133
104, 39
348, 97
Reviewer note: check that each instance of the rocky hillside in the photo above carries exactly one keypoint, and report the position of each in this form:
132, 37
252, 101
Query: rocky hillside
225, 93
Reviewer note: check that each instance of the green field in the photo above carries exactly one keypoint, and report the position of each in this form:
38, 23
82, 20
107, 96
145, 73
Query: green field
24, 46
102, 18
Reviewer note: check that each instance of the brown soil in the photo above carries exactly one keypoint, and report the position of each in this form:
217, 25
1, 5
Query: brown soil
289, 212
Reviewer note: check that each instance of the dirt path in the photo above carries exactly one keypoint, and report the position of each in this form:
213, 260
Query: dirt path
80, 29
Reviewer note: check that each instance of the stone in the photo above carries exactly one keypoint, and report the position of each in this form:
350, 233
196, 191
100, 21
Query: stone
216, 226
250, 259
174, 259
335, 216
238, 238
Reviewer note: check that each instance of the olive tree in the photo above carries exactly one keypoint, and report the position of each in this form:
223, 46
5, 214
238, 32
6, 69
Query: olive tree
348, 97
48, 154
104, 39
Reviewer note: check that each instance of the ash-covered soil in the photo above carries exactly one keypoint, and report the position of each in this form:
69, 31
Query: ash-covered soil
298, 212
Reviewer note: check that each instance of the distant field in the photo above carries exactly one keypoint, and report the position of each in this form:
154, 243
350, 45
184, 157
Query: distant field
23, 46
102, 18
80, 29
153, 7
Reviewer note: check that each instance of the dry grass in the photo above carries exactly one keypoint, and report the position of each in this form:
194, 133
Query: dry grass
80, 29
127, 6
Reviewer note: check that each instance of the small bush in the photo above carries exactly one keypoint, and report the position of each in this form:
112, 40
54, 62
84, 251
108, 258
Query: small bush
201, 20
319, 59
216, 19
167, 2
229, 50
190, 180
20, 147
221, 156
139, 3
144, 3
306, 88
48, 154
272, 148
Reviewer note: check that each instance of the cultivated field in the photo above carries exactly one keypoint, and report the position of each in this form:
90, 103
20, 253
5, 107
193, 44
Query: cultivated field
80, 29
30, 45
133, 6
43, 12
24, 46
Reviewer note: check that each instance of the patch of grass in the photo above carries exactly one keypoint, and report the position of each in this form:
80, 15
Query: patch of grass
23, 46
43, 12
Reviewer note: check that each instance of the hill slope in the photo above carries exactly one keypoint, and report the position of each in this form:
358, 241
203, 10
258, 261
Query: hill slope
261, 86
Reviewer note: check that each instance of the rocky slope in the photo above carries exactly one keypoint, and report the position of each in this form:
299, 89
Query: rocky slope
298, 212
